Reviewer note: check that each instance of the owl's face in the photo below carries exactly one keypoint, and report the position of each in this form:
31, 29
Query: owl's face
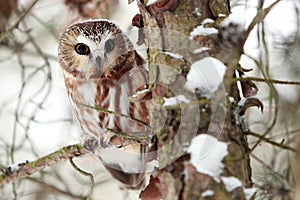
92, 49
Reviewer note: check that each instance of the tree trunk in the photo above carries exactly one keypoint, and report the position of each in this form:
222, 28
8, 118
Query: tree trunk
166, 26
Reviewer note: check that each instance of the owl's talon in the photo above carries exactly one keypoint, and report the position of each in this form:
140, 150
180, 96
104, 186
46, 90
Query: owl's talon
91, 144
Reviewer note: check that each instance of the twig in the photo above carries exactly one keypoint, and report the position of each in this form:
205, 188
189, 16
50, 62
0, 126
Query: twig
28, 168
282, 178
274, 92
268, 140
141, 137
260, 16
16, 24
84, 173
116, 113
55, 189
295, 131
267, 80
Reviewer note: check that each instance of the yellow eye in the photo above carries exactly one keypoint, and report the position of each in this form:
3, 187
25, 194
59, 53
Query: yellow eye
82, 49
109, 45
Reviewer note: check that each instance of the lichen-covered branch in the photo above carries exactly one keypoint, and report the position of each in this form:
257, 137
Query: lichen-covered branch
22, 170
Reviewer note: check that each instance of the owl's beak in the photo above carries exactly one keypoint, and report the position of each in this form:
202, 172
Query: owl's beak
98, 61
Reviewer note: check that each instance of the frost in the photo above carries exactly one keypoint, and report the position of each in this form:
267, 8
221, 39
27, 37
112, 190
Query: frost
249, 192
207, 154
201, 30
205, 75
173, 101
174, 55
231, 183
207, 193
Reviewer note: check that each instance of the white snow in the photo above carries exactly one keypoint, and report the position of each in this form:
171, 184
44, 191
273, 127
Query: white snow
197, 12
173, 101
207, 154
207, 193
174, 55
242, 19
231, 183
14, 167
234, 20
231, 100
249, 192
135, 95
201, 30
201, 49
242, 102
151, 166
207, 21
206, 75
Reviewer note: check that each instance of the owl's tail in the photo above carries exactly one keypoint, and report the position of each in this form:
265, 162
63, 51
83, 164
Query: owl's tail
127, 165
134, 181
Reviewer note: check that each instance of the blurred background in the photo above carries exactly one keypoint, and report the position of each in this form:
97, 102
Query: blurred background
36, 119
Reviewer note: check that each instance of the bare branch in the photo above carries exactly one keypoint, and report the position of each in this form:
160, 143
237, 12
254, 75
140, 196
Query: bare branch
16, 24
268, 140
267, 80
270, 169
260, 16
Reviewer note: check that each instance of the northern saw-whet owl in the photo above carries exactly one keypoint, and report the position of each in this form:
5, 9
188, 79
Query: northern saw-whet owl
102, 71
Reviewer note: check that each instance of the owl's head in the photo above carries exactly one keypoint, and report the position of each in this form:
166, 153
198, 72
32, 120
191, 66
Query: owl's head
91, 49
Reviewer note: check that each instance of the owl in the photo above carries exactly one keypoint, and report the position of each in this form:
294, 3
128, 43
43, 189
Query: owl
102, 71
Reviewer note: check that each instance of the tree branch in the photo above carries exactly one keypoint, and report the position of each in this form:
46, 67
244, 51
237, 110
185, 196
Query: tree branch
280, 145
28, 168
267, 80
16, 24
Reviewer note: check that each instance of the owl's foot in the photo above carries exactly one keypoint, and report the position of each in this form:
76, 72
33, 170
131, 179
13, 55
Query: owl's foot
91, 144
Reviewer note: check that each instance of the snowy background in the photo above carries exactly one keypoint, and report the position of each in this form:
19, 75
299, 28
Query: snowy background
41, 128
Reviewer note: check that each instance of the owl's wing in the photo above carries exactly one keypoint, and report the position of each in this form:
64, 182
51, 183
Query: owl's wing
125, 160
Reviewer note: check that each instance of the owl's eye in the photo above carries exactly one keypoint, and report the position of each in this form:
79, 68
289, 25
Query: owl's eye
109, 45
82, 49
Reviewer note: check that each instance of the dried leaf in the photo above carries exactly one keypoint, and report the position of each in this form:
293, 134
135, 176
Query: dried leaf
250, 102
244, 69
152, 191
249, 89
